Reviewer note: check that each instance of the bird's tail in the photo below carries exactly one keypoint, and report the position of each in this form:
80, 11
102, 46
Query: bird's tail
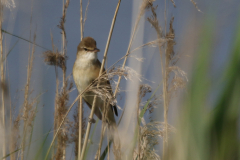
112, 128
113, 135
112, 131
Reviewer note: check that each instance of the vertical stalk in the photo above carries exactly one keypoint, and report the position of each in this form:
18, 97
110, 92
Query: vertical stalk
11, 149
56, 99
64, 73
26, 108
60, 125
80, 101
128, 51
138, 121
101, 70
81, 20
2, 81
124, 63
102, 130
108, 146
63, 50
101, 139
26, 94
165, 94
80, 127
56, 108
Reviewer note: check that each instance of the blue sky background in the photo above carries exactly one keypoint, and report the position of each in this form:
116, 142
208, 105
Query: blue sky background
46, 16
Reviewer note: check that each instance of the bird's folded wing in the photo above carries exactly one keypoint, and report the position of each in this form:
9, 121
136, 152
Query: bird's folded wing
114, 108
97, 112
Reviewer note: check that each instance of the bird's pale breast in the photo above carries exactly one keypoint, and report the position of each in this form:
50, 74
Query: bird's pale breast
84, 75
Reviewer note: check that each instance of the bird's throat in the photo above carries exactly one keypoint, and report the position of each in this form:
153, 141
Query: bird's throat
88, 56
86, 59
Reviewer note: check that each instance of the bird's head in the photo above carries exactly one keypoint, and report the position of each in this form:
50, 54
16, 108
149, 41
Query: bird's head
87, 48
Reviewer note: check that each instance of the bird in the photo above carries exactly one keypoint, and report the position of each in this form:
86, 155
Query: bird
85, 70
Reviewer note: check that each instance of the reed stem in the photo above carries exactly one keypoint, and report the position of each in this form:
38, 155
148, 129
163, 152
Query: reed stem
101, 70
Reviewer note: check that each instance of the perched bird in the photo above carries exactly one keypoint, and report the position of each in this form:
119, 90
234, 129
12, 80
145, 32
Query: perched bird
85, 70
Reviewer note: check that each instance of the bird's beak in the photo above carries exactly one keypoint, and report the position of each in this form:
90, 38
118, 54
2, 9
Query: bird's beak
96, 50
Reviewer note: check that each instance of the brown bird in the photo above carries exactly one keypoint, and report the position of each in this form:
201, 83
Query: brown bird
85, 70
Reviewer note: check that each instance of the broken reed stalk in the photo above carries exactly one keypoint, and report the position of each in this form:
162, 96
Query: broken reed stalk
2, 82
101, 70
80, 111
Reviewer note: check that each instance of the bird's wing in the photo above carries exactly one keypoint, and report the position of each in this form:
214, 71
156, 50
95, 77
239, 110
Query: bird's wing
114, 108
97, 112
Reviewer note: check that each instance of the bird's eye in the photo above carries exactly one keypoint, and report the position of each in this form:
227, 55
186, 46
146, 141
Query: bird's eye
85, 49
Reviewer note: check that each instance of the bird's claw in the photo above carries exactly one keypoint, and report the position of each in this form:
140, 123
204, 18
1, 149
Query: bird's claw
91, 120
